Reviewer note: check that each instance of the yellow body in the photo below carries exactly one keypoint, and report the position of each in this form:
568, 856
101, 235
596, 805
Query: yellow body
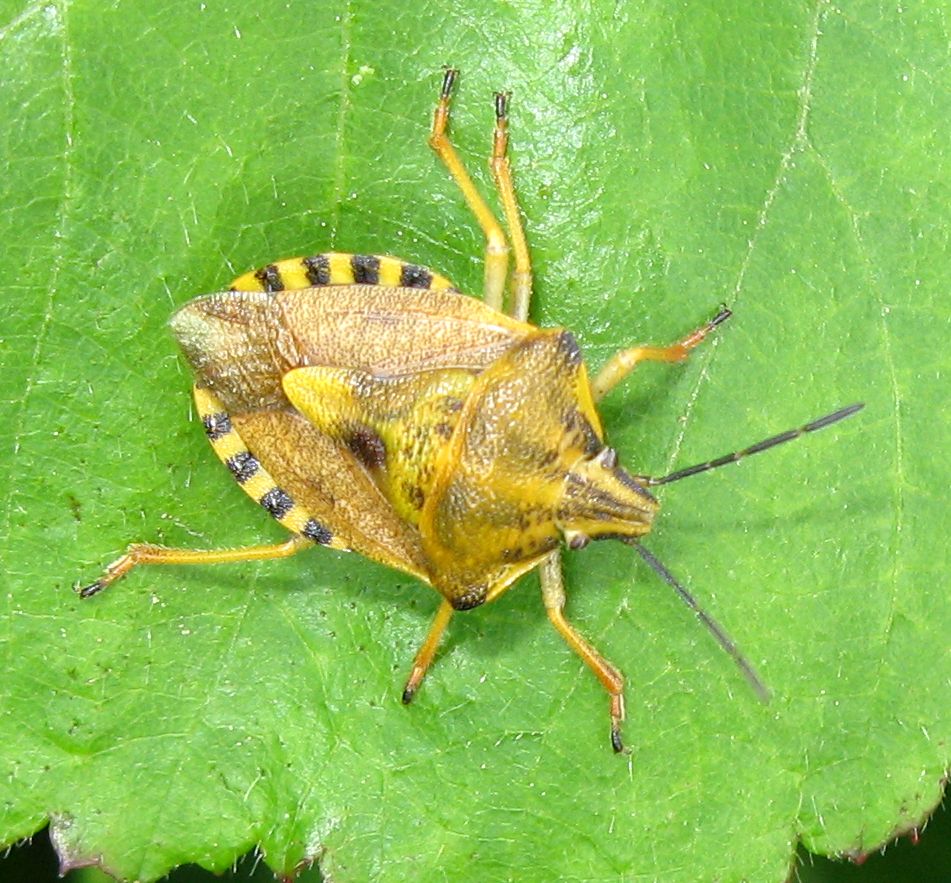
416, 426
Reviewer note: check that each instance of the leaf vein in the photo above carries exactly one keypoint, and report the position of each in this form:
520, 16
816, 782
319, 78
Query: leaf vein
798, 142
346, 106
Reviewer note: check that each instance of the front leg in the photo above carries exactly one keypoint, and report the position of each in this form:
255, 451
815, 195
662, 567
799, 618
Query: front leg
624, 362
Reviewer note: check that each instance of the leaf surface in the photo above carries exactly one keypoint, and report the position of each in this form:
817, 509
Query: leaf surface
788, 159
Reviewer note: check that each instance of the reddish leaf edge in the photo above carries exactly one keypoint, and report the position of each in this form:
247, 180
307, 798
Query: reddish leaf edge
71, 859
912, 829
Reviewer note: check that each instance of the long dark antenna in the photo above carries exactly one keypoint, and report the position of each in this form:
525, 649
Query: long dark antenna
764, 445
717, 630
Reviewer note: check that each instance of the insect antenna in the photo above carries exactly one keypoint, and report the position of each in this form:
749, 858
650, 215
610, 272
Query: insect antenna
764, 445
717, 630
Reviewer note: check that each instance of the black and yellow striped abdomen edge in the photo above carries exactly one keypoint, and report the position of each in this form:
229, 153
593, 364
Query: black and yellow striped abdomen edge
251, 475
329, 268
339, 268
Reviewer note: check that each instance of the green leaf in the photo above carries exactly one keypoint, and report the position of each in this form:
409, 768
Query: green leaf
788, 159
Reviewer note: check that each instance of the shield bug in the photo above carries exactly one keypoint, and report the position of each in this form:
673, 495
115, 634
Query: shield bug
368, 405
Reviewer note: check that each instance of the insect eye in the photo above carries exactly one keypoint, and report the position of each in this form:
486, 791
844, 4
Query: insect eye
575, 539
607, 458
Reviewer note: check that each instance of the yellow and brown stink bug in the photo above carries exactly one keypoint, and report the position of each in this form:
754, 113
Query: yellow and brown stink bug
367, 405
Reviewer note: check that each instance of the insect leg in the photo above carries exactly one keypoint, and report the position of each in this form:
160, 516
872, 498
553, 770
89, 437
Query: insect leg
502, 171
146, 553
553, 595
496, 248
622, 363
425, 654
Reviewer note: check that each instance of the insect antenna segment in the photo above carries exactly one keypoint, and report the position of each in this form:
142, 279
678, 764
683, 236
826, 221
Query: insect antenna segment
764, 445
718, 632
